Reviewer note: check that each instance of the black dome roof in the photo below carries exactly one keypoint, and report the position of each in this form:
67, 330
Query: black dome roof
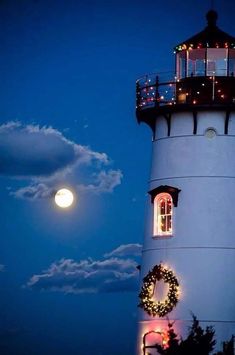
211, 36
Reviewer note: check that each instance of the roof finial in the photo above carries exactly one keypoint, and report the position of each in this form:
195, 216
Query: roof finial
212, 17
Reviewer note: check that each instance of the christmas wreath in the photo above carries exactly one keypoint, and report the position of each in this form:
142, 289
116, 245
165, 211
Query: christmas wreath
154, 308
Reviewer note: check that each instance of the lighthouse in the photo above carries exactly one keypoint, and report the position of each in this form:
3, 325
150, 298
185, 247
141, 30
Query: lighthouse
188, 259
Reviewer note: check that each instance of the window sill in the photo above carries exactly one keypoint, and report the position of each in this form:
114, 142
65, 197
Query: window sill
163, 236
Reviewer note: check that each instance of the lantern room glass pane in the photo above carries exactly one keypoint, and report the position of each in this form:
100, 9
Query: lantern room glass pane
231, 65
181, 64
196, 62
217, 61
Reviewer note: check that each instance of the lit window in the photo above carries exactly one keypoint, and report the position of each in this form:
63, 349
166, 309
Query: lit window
181, 64
164, 199
163, 210
217, 61
196, 62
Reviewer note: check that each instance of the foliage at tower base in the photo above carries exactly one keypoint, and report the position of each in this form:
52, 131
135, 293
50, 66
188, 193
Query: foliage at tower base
198, 341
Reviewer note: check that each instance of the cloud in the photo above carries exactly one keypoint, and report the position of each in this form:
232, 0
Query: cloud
2, 267
126, 250
104, 182
28, 150
46, 159
37, 191
88, 276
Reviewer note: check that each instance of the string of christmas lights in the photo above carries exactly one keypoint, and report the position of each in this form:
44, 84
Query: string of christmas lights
160, 308
203, 90
191, 46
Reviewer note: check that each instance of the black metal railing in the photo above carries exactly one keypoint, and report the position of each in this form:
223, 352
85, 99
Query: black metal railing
154, 91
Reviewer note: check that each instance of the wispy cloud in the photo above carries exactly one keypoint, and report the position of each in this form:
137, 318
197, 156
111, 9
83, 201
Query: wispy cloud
36, 191
105, 181
43, 156
2, 267
125, 250
88, 276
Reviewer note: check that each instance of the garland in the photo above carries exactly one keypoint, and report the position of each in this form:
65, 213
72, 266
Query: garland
159, 308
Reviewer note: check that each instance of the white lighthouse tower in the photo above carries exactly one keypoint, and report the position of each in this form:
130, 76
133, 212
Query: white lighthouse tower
188, 262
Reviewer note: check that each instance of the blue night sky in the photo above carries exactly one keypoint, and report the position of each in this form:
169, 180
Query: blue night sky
68, 278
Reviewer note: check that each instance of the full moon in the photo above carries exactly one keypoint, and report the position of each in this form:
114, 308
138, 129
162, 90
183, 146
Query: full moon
64, 198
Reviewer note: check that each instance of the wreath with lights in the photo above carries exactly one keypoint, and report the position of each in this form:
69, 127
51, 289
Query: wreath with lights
154, 308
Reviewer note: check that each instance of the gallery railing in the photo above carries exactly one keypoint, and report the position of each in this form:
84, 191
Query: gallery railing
166, 90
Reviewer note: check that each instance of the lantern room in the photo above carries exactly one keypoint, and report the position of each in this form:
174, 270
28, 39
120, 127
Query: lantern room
209, 53
204, 76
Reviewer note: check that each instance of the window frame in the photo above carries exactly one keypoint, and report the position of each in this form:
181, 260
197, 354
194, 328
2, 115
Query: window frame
173, 192
161, 201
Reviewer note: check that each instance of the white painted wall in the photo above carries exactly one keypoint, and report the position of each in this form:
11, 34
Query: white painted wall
202, 249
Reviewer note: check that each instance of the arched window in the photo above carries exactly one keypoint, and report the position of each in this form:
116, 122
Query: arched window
163, 212
164, 199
